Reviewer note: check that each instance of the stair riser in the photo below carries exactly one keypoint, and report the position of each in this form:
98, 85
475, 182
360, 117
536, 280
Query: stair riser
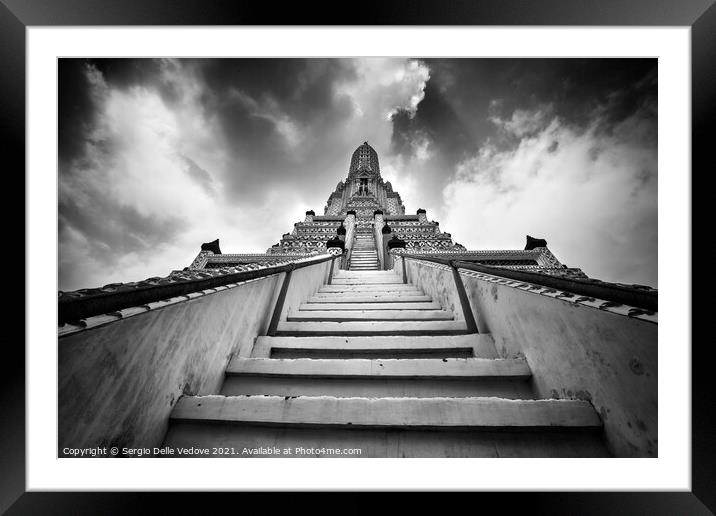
463, 346
347, 298
420, 369
383, 289
374, 281
369, 306
238, 385
371, 353
374, 328
348, 274
385, 443
370, 315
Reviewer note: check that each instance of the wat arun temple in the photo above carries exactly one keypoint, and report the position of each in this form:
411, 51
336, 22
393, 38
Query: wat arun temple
364, 218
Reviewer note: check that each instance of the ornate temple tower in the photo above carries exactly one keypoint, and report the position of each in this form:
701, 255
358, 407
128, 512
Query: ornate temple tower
364, 190
364, 204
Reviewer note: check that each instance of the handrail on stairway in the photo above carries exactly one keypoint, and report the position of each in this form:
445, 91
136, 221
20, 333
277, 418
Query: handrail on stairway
461, 293
72, 309
616, 293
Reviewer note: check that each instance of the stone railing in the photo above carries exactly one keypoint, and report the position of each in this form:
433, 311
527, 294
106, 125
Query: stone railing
378, 236
350, 224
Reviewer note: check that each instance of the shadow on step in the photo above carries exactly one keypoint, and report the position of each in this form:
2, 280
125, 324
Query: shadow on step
242, 440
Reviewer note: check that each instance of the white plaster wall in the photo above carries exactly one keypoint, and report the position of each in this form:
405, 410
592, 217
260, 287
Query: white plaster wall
580, 352
304, 283
574, 351
119, 382
438, 283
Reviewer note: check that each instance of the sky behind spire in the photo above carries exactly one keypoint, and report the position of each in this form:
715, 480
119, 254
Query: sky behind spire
159, 156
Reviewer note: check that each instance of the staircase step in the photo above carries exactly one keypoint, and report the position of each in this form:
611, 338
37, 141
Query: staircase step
444, 346
394, 287
342, 273
330, 441
389, 368
366, 281
394, 297
431, 305
418, 413
370, 315
372, 328
376, 387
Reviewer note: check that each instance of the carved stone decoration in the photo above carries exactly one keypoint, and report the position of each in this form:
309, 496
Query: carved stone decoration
200, 260
396, 243
335, 243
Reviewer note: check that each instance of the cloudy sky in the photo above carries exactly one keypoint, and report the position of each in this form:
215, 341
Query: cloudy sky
159, 156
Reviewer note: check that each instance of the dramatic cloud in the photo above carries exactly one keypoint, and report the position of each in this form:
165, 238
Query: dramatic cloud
158, 156
590, 192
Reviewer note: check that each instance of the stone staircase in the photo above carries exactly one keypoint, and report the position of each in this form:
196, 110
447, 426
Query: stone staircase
363, 255
374, 364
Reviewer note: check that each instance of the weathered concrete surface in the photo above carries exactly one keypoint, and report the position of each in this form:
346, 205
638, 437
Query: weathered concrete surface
371, 328
424, 413
438, 283
366, 274
370, 315
118, 383
382, 397
453, 377
404, 368
342, 280
424, 305
254, 441
304, 283
378, 386
579, 352
477, 345
386, 288
395, 297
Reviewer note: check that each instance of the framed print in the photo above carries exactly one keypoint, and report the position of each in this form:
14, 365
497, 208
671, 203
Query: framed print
435, 238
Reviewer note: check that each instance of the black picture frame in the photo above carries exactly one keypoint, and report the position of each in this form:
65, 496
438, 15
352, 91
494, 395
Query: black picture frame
700, 15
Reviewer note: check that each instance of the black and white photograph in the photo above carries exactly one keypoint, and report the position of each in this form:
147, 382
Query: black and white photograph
357, 257
435, 236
